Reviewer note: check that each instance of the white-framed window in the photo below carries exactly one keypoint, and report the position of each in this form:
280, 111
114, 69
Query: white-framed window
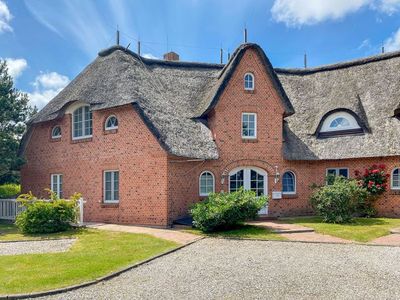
206, 183
56, 132
332, 172
248, 82
289, 183
111, 186
395, 180
82, 122
111, 123
339, 121
249, 125
56, 182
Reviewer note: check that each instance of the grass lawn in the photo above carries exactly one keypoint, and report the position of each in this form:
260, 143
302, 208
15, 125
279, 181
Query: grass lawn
242, 231
360, 230
96, 253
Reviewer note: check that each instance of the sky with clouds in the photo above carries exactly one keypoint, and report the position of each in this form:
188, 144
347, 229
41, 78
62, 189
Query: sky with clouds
47, 43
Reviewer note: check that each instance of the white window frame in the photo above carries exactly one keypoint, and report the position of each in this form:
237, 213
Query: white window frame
252, 79
255, 126
342, 114
59, 179
295, 183
396, 188
112, 127
337, 171
213, 185
112, 186
52, 132
83, 124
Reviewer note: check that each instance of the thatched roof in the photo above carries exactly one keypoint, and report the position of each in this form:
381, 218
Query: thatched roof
173, 98
368, 87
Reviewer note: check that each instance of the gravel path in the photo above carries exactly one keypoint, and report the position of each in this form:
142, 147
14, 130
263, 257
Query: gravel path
229, 269
32, 247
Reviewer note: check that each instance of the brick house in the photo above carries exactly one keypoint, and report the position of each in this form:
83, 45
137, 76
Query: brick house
144, 139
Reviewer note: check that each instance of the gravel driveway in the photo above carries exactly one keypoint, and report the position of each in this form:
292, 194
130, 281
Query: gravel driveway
229, 269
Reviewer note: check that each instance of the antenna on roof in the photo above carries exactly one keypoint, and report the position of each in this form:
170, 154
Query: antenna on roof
245, 35
305, 60
221, 58
127, 47
383, 49
229, 56
138, 47
117, 36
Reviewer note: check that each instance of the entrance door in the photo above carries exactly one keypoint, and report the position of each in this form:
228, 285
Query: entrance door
250, 178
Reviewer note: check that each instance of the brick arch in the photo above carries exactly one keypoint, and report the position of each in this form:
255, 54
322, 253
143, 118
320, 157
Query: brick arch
270, 169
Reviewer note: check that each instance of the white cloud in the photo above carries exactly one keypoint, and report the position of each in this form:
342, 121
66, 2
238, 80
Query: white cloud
365, 44
309, 12
149, 55
51, 80
16, 66
5, 17
46, 87
393, 42
389, 6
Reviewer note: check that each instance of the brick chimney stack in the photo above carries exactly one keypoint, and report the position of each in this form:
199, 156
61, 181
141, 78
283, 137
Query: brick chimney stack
171, 56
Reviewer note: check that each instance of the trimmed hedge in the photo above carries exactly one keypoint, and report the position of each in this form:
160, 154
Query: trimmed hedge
9, 190
225, 210
46, 216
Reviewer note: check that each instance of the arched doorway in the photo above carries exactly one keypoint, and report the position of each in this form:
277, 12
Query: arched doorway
250, 178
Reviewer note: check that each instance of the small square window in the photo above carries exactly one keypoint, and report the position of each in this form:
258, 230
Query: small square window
332, 172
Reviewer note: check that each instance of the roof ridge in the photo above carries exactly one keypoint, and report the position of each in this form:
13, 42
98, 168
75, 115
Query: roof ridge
340, 65
152, 61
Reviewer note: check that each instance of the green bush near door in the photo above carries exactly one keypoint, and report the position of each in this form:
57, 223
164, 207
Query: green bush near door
225, 210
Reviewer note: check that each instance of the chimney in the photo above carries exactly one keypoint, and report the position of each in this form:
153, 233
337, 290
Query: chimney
171, 56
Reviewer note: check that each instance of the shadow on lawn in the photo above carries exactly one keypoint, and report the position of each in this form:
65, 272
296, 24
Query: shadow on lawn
354, 222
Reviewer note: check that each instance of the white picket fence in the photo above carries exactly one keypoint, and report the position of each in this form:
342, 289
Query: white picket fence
10, 208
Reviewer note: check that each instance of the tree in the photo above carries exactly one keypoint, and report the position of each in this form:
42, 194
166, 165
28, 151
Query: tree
14, 113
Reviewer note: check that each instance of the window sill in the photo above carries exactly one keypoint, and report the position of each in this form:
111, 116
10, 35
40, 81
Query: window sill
249, 140
53, 140
83, 140
110, 131
289, 196
250, 91
110, 205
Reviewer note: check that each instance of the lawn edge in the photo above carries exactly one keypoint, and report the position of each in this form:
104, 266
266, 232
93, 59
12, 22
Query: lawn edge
97, 280
304, 242
38, 240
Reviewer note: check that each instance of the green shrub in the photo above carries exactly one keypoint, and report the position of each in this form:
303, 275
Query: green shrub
46, 216
9, 190
224, 210
338, 202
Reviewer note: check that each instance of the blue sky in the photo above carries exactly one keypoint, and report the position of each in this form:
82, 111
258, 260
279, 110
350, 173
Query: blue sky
48, 42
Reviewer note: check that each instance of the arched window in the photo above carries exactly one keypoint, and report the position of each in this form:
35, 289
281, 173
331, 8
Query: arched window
289, 183
56, 132
206, 183
339, 121
395, 182
249, 82
82, 122
111, 123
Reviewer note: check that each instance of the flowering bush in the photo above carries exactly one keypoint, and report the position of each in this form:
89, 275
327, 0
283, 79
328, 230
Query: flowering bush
374, 179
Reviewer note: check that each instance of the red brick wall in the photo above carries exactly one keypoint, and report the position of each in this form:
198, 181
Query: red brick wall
265, 152
133, 150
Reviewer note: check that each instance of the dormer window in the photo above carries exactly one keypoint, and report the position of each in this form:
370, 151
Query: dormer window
249, 82
82, 123
339, 123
